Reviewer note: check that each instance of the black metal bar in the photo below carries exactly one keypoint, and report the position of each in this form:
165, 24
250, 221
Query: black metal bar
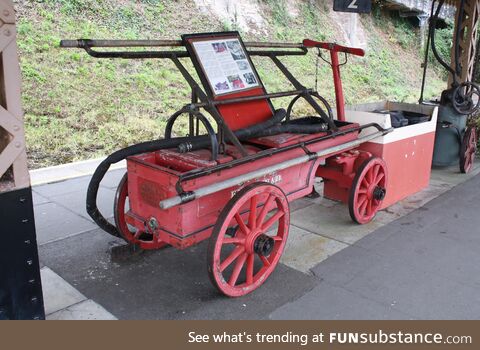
191, 119
136, 54
427, 48
20, 286
194, 174
201, 118
252, 98
88, 44
81, 43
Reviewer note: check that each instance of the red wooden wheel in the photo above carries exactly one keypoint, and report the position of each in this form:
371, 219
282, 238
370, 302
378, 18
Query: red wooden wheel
248, 239
129, 233
368, 190
468, 150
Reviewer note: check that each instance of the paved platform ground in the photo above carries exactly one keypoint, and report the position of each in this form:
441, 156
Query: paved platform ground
417, 260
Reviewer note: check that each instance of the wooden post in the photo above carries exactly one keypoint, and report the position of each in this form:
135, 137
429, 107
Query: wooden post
469, 18
13, 158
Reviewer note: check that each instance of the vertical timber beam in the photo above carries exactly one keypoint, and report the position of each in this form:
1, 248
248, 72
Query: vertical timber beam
20, 285
469, 18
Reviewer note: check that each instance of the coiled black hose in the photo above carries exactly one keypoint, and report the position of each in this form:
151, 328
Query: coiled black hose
103, 167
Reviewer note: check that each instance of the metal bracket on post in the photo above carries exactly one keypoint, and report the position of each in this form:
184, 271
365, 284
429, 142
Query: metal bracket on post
20, 285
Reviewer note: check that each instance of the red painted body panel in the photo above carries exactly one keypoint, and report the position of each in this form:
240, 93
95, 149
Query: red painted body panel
151, 178
409, 161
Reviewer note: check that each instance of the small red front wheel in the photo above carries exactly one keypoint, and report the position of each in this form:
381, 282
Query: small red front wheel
248, 239
368, 190
468, 150
129, 233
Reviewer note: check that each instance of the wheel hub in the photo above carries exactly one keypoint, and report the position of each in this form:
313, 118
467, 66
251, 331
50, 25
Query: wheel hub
263, 245
379, 193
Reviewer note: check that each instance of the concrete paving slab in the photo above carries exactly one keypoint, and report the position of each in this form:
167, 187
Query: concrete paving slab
163, 284
300, 204
54, 222
57, 293
53, 174
334, 223
304, 249
112, 178
75, 201
327, 302
68, 171
85, 310
63, 187
416, 200
451, 175
88, 167
39, 199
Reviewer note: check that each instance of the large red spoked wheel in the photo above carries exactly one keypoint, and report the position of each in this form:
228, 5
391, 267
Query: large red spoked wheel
129, 233
468, 150
368, 190
248, 239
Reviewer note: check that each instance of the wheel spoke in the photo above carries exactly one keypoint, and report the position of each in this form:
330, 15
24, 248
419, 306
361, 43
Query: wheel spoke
241, 224
250, 262
379, 178
362, 200
264, 211
266, 226
231, 258
365, 182
236, 270
233, 240
363, 207
362, 190
252, 222
369, 208
265, 261
376, 169
369, 175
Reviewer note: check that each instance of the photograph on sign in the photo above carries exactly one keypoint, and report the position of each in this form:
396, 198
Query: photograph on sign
225, 65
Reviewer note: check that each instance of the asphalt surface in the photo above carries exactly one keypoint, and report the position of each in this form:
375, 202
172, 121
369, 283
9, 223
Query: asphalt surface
424, 265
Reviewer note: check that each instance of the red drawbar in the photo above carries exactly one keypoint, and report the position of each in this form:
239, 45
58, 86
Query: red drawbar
241, 115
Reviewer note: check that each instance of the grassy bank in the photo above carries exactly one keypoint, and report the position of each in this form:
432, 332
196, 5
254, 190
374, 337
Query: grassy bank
77, 107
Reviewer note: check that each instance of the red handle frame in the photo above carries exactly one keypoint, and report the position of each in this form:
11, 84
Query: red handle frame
334, 47
337, 80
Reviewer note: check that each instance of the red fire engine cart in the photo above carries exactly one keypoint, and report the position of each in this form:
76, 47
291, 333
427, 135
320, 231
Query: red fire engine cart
234, 184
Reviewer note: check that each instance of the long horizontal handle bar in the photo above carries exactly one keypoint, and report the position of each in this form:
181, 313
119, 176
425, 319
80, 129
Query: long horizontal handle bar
83, 43
222, 185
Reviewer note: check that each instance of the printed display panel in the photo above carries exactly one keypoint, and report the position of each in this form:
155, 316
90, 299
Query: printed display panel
225, 65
